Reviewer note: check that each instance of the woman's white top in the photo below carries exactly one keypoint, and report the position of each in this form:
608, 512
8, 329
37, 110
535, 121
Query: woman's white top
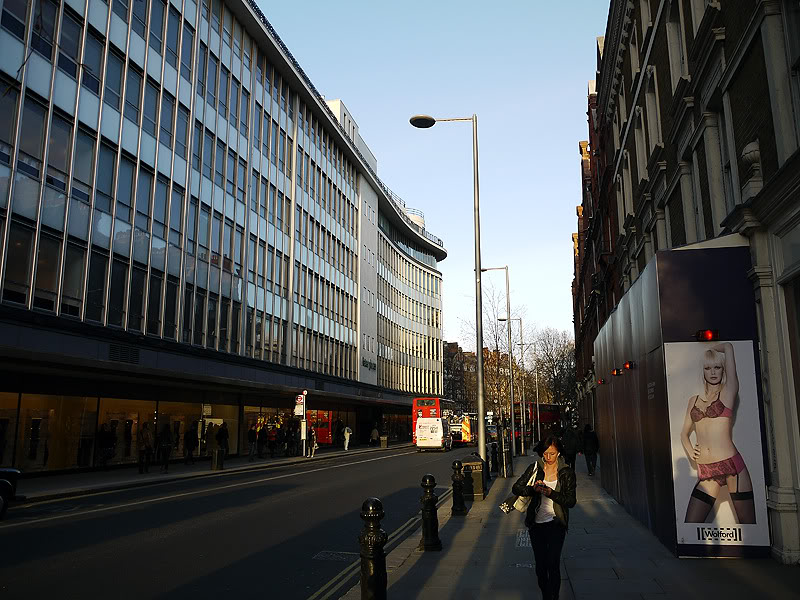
546, 513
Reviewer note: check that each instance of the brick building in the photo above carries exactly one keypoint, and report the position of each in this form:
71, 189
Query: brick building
694, 124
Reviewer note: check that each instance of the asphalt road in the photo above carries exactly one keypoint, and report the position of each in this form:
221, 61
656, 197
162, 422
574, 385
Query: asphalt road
223, 536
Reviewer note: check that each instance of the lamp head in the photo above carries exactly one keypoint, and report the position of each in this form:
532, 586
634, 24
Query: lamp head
422, 121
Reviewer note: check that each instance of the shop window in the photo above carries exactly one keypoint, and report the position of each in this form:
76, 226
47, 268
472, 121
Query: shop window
55, 432
19, 256
123, 420
8, 425
215, 417
47, 267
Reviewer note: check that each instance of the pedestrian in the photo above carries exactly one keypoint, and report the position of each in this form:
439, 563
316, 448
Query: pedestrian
190, 443
283, 438
144, 444
272, 441
222, 439
312, 442
165, 446
261, 440
374, 435
570, 441
547, 517
252, 437
590, 447
347, 433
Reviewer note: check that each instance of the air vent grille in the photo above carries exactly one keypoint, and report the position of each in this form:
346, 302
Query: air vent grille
125, 354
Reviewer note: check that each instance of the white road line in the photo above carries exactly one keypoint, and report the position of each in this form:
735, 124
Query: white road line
195, 492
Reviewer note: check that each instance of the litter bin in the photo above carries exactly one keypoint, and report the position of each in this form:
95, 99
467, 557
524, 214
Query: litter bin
474, 486
217, 459
384, 441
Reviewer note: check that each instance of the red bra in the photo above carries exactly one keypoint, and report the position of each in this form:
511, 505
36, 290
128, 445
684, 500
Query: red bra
714, 410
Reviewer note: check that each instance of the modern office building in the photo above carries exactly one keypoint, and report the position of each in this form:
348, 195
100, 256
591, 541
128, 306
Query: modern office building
190, 236
694, 144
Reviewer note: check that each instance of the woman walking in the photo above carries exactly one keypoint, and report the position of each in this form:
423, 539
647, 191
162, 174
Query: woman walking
553, 494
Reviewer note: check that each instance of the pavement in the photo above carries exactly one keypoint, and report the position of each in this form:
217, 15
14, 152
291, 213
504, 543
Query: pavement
38, 488
607, 554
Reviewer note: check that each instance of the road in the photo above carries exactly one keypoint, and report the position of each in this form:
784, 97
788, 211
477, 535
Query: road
223, 536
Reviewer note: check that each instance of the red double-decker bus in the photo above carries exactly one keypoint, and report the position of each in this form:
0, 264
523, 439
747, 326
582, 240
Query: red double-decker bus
436, 408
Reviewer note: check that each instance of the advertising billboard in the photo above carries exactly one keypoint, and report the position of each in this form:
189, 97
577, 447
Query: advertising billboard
717, 447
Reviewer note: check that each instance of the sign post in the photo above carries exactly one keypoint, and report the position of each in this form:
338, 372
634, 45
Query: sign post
300, 411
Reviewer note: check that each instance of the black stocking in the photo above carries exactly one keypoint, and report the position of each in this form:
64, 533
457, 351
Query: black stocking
700, 504
743, 503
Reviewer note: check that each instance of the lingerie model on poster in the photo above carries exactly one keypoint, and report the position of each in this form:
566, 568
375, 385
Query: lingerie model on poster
717, 450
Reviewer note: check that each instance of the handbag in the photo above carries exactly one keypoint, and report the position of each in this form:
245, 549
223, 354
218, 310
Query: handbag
520, 503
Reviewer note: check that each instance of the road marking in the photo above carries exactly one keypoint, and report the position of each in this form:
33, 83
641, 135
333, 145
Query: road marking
333, 586
195, 492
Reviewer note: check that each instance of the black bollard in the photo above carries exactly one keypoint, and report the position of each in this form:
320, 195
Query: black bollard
459, 509
430, 520
495, 464
373, 560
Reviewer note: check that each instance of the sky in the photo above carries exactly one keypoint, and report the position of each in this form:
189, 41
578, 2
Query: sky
523, 67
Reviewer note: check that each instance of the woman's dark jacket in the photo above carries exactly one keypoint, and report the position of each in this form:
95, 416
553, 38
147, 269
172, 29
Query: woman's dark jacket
563, 496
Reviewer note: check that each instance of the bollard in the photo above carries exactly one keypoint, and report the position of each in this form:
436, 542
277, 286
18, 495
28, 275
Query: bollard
495, 465
430, 521
459, 509
373, 560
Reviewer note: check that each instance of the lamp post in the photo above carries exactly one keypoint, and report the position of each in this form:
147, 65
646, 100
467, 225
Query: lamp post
522, 409
510, 358
536, 381
425, 122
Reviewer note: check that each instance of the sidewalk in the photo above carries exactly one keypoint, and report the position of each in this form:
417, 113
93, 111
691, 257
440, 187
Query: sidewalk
608, 554
50, 487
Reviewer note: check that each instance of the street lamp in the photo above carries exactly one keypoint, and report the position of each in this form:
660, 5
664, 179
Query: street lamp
425, 122
510, 359
536, 373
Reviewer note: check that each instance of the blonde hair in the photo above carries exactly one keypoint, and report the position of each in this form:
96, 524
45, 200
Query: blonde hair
712, 358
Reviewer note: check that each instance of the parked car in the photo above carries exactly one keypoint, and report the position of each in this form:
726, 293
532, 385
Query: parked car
8, 488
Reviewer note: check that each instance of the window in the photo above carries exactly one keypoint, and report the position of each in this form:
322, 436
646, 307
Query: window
274, 146
208, 155
234, 117
231, 167
227, 23
105, 178
241, 181
127, 169
96, 287
675, 44
138, 23
120, 8
69, 46
176, 211
83, 167
160, 208
13, 18
59, 144
181, 131
19, 255
215, 14
173, 32
187, 46
653, 115
167, 123
211, 82
44, 24
136, 306
224, 77
117, 295
72, 287
197, 145
133, 93
157, 10
114, 69
93, 65
237, 38
244, 113
219, 164
31, 139
150, 112
202, 55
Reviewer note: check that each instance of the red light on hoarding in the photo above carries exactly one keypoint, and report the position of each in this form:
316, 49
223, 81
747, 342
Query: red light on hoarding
629, 364
601, 381
707, 335
616, 372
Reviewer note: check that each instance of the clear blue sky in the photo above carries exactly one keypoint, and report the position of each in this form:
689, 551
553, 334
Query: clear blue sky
523, 67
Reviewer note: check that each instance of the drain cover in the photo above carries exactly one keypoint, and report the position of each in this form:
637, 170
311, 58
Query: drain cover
522, 565
337, 556
523, 539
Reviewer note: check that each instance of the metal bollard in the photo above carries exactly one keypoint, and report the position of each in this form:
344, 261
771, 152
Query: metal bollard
459, 508
373, 560
430, 520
